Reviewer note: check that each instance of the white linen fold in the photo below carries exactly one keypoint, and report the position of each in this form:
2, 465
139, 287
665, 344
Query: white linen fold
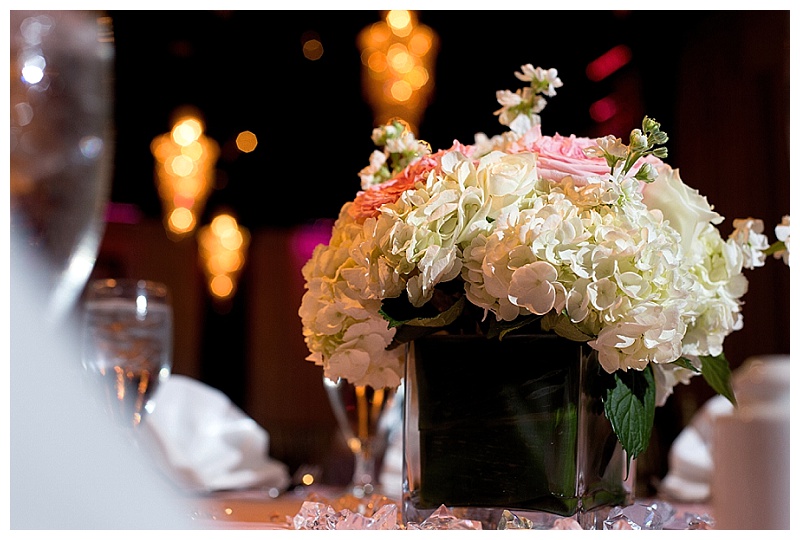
761, 386
206, 443
690, 456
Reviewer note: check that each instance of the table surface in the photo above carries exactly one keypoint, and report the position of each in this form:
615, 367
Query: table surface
255, 509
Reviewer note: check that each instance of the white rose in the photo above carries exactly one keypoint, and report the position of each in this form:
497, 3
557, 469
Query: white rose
507, 176
687, 211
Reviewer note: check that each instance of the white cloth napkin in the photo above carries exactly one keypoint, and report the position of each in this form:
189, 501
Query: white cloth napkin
690, 456
762, 381
207, 443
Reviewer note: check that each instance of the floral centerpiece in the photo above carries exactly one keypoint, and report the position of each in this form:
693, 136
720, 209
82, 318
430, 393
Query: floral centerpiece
596, 240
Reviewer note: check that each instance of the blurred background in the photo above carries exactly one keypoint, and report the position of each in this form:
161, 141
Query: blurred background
287, 100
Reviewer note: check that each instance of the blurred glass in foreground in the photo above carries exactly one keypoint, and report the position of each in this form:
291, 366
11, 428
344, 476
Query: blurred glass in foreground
68, 469
61, 143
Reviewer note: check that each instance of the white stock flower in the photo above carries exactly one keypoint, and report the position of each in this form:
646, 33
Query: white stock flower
483, 144
549, 76
610, 145
747, 234
376, 161
526, 74
522, 123
782, 233
638, 139
406, 142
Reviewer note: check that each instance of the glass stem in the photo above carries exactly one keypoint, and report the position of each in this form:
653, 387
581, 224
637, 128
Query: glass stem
364, 473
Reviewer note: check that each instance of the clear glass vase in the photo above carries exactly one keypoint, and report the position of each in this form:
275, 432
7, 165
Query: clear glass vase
514, 425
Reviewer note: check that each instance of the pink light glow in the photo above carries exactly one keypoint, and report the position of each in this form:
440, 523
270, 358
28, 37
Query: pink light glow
122, 213
603, 109
608, 62
307, 237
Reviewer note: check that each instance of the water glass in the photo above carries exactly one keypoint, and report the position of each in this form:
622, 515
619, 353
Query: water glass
127, 343
62, 145
362, 413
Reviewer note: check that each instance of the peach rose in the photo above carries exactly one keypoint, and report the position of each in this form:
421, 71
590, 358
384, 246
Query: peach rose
368, 202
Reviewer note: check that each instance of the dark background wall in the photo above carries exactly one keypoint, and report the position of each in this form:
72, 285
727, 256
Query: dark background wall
717, 81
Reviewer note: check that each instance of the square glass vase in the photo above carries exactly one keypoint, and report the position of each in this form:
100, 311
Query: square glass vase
514, 424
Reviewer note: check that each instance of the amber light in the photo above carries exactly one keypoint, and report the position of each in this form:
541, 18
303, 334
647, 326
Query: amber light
185, 161
222, 251
398, 56
246, 141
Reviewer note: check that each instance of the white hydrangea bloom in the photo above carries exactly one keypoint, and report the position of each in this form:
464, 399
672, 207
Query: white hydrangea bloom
714, 307
667, 377
369, 273
535, 287
426, 227
342, 329
362, 357
614, 269
647, 333
640, 268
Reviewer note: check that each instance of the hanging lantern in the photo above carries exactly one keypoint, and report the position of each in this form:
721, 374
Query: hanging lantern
398, 56
184, 165
222, 250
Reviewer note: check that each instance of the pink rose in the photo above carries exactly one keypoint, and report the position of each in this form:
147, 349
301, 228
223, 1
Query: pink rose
564, 156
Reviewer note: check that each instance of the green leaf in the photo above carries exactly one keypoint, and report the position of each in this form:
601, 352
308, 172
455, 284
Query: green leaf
630, 407
411, 329
499, 329
686, 363
442, 319
717, 373
406, 334
562, 326
399, 311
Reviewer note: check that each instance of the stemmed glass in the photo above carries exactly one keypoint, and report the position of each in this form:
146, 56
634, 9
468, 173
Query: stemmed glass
362, 415
127, 343
61, 145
